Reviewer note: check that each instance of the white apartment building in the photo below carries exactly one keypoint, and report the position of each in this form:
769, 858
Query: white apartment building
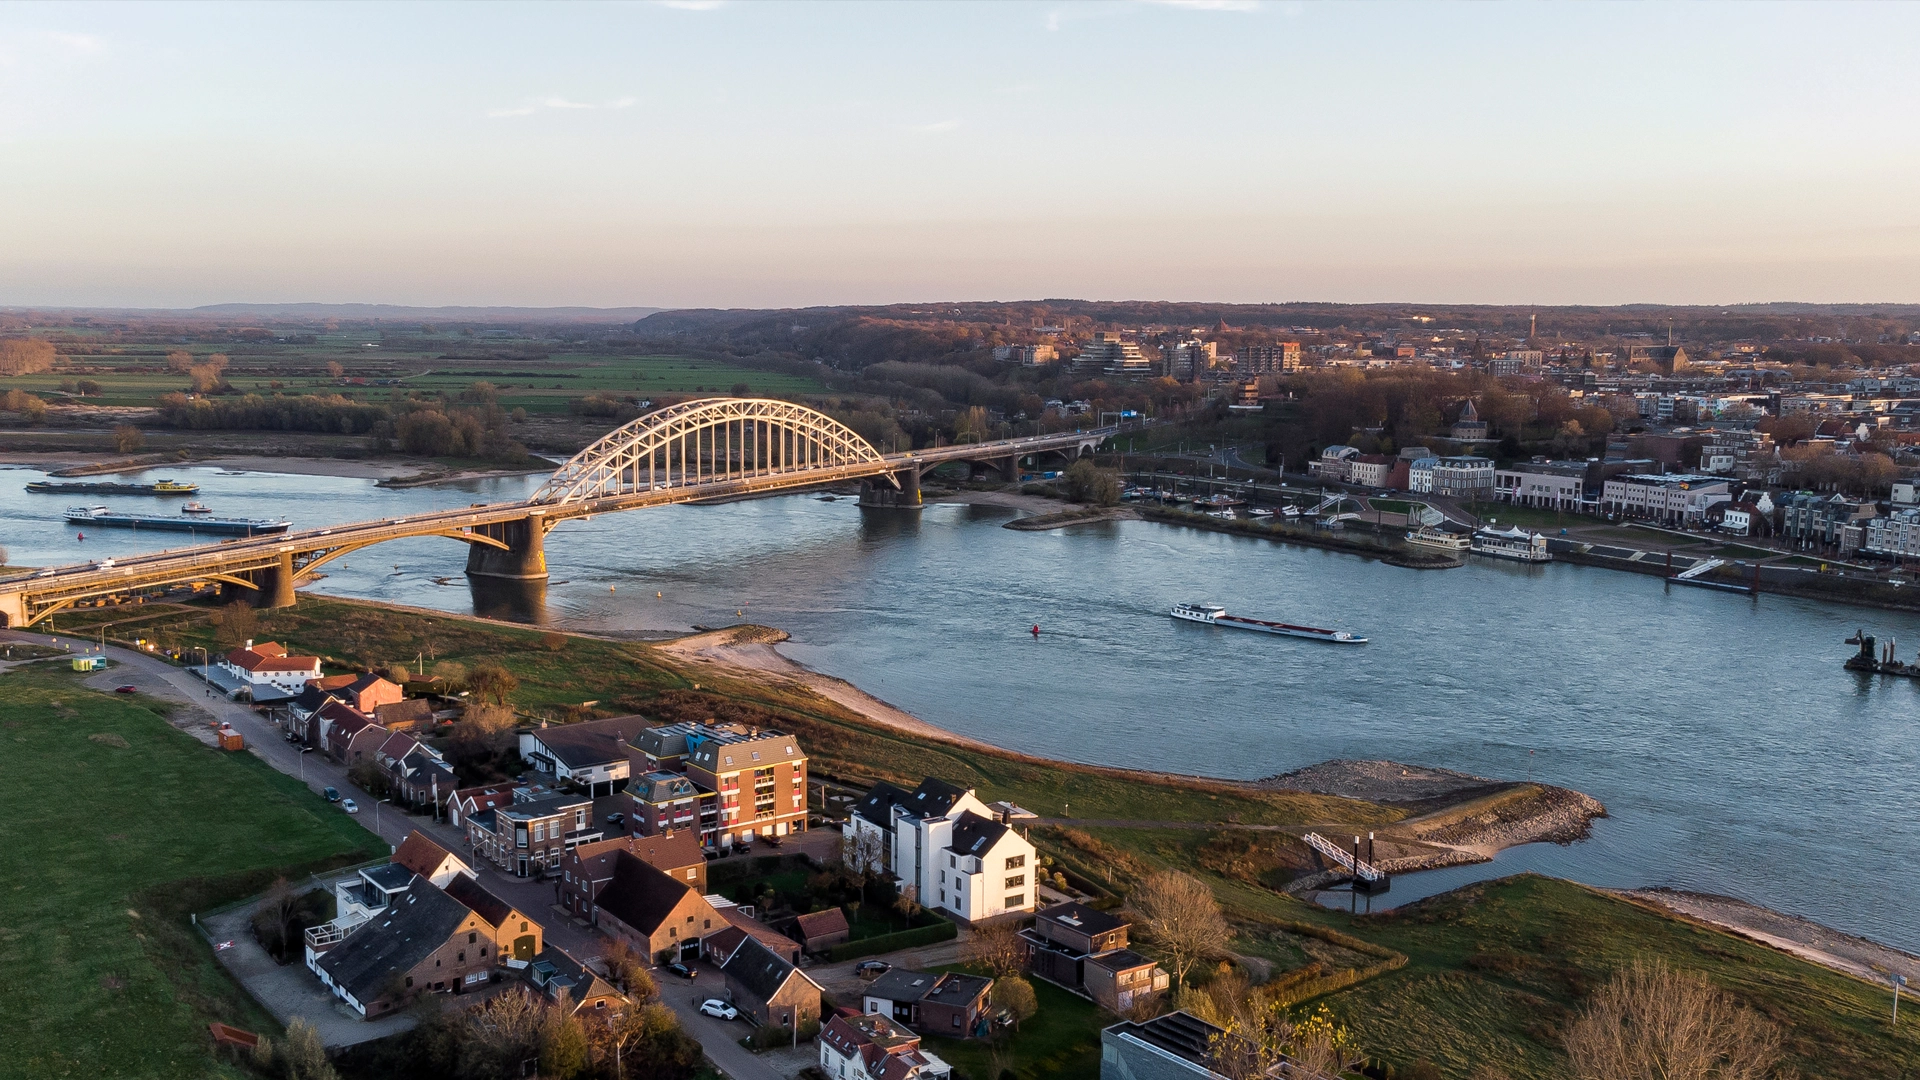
1464, 477
949, 846
1026, 355
1675, 498
1107, 354
1897, 535
1548, 485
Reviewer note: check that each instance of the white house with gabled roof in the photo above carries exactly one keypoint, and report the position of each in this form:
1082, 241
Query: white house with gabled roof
959, 855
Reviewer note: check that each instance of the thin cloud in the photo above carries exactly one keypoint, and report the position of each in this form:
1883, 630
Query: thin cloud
1210, 5
557, 102
943, 125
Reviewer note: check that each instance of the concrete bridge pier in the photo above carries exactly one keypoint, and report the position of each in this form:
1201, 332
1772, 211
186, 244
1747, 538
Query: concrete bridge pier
523, 559
276, 584
880, 494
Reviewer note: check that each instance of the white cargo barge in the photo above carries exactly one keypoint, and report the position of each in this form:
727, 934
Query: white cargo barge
1215, 615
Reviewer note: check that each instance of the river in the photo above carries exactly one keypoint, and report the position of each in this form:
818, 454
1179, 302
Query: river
1734, 753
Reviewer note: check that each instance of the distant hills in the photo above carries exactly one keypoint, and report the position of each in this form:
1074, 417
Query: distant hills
418, 314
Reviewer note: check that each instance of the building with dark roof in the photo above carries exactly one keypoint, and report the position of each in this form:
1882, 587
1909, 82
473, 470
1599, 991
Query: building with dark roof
769, 989
588, 867
1177, 1046
513, 933
950, 847
423, 942
590, 755
531, 835
951, 1004
654, 914
819, 931
557, 977
870, 1047
1117, 977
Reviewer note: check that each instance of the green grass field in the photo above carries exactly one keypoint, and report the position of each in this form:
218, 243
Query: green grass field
127, 826
540, 383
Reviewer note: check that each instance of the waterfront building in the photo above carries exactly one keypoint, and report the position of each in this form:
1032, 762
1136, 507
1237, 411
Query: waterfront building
1549, 485
1370, 470
1670, 498
590, 755
1332, 463
950, 847
267, 672
1462, 477
740, 782
1108, 354
1813, 520
1895, 536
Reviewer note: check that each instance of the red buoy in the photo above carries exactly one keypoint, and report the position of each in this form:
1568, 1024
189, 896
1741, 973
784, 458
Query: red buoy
1036, 630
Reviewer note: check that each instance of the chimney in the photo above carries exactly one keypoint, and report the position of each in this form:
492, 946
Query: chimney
249, 643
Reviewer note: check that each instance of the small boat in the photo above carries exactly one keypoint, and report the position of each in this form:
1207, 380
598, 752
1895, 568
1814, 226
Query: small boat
1215, 615
1224, 515
1511, 543
1260, 512
196, 508
1439, 540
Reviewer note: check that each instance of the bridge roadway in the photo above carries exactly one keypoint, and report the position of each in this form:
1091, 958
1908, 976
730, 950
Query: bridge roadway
270, 566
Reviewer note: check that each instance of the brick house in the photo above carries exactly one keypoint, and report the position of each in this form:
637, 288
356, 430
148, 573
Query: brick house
513, 934
413, 714
819, 931
949, 1004
557, 977
350, 738
769, 989
1116, 977
529, 836
465, 802
872, 1048
588, 867
422, 855
719, 946
662, 802
424, 941
654, 914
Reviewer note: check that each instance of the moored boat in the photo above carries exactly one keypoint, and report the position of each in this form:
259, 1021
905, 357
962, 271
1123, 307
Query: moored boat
1438, 540
67, 487
1512, 543
1215, 615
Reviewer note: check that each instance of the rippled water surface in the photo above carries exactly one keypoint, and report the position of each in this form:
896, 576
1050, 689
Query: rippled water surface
1735, 754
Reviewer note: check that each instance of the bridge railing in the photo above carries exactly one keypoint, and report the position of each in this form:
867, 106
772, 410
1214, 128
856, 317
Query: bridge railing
1360, 868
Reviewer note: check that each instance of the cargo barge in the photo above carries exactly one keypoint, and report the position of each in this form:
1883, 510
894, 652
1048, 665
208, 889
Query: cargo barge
109, 487
219, 526
1215, 615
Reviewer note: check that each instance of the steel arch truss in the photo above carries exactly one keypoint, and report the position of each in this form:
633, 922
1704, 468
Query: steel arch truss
703, 442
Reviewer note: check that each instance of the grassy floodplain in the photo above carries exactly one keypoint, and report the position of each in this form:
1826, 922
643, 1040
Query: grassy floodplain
131, 825
1479, 983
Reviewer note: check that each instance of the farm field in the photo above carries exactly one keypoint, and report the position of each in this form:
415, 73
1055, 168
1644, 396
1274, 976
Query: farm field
135, 824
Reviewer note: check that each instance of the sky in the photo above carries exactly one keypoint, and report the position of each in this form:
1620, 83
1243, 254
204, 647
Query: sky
726, 154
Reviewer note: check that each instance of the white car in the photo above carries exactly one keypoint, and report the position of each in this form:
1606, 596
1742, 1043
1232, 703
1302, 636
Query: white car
349, 806
103, 564
716, 1007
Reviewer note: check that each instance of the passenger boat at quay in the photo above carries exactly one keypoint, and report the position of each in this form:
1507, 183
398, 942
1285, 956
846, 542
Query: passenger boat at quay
1438, 540
197, 523
1513, 543
1215, 615
158, 487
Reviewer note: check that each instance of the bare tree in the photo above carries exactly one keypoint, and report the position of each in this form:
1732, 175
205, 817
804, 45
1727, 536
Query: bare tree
1180, 915
237, 622
281, 906
126, 438
1016, 996
996, 947
491, 682
864, 853
907, 903
1654, 1023
483, 731
500, 1035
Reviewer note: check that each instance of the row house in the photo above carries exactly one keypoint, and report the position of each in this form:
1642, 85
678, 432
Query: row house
269, 672
346, 735
589, 867
1464, 477
745, 782
531, 835
957, 853
591, 755
1332, 464
466, 802
1813, 520
415, 772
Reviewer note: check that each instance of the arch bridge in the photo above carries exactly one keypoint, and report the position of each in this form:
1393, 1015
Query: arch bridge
706, 450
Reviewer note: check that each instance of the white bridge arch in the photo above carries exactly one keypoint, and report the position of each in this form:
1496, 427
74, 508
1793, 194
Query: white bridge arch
703, 442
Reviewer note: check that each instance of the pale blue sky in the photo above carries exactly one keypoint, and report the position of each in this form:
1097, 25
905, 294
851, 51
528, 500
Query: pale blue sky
744, 154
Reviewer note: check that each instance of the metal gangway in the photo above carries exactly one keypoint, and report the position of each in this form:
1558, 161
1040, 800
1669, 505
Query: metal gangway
1703, 567
1371, 876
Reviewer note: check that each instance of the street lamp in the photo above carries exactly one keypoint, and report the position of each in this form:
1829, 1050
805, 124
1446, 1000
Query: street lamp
376, 815
205, 663
304, 751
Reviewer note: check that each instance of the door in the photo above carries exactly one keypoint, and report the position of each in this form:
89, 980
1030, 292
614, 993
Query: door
523, 947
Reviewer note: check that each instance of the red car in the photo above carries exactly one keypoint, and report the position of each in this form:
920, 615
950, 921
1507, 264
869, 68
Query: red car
127, 689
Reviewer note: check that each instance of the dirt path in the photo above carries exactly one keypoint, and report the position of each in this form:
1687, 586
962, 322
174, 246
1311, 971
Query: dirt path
1804, 938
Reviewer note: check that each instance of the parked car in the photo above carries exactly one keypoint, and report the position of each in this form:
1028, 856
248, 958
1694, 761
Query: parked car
772, 840
716, 1007
127, 689
616, 819
349, 806
682, 970
872, 969
332, 794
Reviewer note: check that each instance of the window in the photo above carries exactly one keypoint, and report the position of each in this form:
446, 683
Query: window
471, 938
409, 981
673, 931
1016, 881
1017, 900
523, 926
951, 861
463, 956
1015, 862
956, 1019
706, 924
539, 832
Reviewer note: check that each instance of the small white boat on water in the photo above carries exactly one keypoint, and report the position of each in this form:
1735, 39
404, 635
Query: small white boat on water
1215, 615
1260, 512
1438, 540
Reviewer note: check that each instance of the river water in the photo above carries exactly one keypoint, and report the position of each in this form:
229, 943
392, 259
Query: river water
1734, 753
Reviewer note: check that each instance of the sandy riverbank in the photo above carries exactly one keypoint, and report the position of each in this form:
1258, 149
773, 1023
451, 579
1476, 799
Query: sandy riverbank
1804, 938
399, 472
